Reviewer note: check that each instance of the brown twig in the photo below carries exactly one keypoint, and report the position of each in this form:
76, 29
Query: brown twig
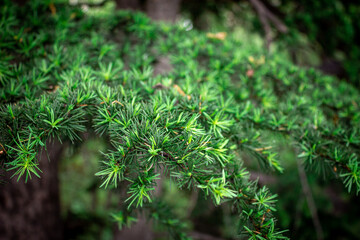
193, 200
262, 149
266, 16
261, 11
4, 150
310, 200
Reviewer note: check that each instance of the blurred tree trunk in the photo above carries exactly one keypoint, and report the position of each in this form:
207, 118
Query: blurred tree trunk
163, 10
32, 210
142, 229
129, 4
159, 10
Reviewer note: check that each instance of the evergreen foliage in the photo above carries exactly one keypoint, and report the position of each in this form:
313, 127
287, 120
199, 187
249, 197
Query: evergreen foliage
63, 73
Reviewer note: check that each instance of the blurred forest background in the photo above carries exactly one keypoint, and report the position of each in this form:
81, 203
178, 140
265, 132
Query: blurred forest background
324, 34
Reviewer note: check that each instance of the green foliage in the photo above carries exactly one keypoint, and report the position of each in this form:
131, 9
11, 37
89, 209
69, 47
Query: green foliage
195, 124
123, 220
25, 158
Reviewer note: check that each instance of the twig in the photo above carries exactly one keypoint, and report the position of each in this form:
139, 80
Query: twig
310, 200
262, 149
4, 150
261, 11
280, 26
193, 201
266, 16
